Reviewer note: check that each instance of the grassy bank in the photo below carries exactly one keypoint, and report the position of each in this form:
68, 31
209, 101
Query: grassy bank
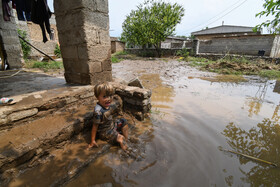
45, 66
237, 66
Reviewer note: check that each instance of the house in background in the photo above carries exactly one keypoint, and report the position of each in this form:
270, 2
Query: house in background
116, 45
240, 40
174, 42
224, 31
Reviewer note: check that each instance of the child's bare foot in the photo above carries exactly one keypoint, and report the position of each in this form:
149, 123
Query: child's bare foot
93, 144
123, 145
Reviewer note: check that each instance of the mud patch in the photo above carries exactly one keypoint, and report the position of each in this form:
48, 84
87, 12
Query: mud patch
225, 78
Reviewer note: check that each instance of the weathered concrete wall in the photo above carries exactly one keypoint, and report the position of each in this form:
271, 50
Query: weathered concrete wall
210, 36
151, 52
11, 44
83, 31
242, 45
275, 51
117, 46
34, 36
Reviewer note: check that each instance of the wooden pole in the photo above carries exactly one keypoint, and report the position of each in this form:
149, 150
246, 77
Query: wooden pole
36, 48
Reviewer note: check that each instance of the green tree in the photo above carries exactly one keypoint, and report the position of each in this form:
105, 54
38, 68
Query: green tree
271, 7
151, 23
26, 49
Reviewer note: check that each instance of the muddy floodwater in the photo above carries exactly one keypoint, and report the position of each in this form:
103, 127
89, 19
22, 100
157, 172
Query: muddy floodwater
196, 117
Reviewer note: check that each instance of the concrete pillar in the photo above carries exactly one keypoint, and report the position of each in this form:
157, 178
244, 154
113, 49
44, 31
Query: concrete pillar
10, 41
83, 31
196, 46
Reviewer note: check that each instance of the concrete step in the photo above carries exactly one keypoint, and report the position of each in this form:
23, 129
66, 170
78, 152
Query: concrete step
36, 105
23, 142
41, 120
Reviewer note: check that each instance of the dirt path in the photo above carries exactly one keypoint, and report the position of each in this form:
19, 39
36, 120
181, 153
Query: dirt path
170, 70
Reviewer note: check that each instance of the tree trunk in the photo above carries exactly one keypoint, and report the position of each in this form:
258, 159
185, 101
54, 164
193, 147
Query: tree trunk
158, 49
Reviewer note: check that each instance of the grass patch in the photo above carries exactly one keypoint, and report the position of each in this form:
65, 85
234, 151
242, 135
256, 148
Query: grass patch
115, 59
226, 78
237, 66
45, 66
271, 74
122, 55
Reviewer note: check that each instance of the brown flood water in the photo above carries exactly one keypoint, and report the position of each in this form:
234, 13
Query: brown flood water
192, 121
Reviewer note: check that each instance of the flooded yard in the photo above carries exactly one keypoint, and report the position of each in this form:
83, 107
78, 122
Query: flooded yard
196, 119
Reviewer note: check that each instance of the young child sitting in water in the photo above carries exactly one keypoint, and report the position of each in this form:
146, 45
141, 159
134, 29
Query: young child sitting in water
108, 129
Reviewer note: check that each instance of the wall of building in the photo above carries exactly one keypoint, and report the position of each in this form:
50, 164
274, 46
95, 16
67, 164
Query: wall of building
210, 36
83, 31
117, 46
35, 37
242, 45
10, 41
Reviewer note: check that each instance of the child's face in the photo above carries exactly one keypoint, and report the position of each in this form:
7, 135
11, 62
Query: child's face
104, 100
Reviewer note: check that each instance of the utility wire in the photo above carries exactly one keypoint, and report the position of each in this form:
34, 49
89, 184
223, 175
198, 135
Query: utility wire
205, 23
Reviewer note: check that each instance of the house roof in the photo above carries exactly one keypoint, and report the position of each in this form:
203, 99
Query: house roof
177, 38
223, 29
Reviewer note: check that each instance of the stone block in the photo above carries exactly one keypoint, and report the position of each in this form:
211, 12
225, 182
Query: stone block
96, 5
97, 19
63, 7
95, 35
22, 114
101, 77
92, 35
142, 93
69, 51
95, 67
76, 65
70, 21
99, 53
107, 65
78, 78
72, 37
102, 6
83, 52
135, 82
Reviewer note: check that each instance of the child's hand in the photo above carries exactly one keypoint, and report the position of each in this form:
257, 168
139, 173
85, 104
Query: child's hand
92, 144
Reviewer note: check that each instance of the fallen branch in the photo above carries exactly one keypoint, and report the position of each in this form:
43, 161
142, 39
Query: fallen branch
252, 158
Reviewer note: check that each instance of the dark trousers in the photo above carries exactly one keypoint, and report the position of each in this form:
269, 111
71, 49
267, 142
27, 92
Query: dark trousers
23, 8
46, 24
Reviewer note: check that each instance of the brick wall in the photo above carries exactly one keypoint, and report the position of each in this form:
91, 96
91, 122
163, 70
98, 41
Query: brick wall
83, 30
10, 41
241, 45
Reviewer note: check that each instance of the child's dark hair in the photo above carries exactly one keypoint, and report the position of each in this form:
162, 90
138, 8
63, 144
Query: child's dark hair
103, 87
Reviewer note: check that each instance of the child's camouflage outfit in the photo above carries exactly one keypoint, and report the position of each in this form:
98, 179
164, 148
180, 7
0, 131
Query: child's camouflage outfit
108, 127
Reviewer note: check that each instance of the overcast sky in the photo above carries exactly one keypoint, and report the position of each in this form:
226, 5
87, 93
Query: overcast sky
199, 14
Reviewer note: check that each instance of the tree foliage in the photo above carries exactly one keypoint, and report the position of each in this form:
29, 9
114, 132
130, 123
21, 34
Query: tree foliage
151, 23
26, 49
271, 7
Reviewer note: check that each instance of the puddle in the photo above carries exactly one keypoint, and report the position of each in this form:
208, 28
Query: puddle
191, 119
188, 126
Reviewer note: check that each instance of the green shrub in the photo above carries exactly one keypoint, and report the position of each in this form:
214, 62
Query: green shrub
57, 51
114, 59
26, 49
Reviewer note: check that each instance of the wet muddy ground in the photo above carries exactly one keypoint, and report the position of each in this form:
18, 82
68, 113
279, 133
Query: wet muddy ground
196, 116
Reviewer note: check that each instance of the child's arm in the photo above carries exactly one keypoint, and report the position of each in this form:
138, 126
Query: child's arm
93, 136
